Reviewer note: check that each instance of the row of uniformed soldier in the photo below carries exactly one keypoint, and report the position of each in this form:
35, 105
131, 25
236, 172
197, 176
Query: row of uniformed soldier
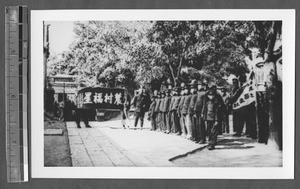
192, 111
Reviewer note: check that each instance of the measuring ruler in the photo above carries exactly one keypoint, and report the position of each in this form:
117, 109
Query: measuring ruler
16, 87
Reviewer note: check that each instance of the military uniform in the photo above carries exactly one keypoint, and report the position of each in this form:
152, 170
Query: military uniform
193, 119
171, 129
200, 124
211, 114
174, 113
182, 118
152, 114
184, 113
156, 111
162, 115
165, 111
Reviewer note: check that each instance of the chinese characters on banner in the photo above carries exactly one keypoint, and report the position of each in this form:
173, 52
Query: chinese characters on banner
106, 98
247, 97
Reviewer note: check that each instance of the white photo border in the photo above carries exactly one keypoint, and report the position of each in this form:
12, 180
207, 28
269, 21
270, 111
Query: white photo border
37, 96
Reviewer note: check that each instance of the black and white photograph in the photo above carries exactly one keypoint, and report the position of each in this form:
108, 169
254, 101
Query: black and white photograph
175, 94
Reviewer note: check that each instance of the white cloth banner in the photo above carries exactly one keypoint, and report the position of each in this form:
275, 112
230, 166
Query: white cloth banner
247, 97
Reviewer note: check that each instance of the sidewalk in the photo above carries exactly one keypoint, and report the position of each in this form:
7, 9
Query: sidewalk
108, 144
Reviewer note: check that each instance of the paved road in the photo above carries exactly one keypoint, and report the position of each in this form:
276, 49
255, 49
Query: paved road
108, 144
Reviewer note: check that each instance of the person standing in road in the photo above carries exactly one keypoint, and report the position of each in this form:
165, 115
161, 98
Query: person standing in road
184, 113
180, 113
211, 116
156, 111
220, 100
167, 102
139, 102
152, 113
191, 111
175, 118
162, 114
200, 124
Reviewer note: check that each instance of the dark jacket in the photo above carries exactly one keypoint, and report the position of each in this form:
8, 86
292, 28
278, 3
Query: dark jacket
199, 102
139, 102
161, 106
157, 106
152, 108
180, 104
166, 105
192, 104
171, 103
175, 103
186, 104
211, 108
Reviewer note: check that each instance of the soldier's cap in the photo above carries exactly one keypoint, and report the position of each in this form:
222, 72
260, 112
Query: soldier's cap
182, 85
235, 80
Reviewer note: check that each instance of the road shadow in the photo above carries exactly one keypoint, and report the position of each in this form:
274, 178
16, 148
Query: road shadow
234, 143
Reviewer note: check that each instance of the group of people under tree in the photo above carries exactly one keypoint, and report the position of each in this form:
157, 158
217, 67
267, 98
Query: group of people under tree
195, 111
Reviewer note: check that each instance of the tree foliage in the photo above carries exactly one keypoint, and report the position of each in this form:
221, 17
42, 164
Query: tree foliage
137, 52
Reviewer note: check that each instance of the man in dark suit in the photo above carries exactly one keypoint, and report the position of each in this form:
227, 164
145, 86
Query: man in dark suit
175, 119
167, 102
156, 111
200, 124
139, 102
161, 113
211, 114
185, 113
191, 110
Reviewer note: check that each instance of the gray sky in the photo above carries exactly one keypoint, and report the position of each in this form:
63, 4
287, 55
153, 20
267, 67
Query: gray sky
61, 36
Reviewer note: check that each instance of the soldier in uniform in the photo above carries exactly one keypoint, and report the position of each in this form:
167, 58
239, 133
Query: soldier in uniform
162, 114
180, 108
175, 118
152, 113
156, 111
184, 112
220, 112
171, 129
191, 111
167, 102
211, 114
200, 124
